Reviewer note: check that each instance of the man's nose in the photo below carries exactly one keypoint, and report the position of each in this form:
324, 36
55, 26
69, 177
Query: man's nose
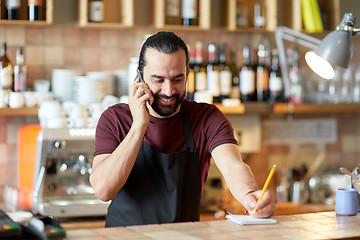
168, 88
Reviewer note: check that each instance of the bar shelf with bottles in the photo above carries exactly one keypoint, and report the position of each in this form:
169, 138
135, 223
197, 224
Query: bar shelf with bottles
182, 14
106, 13
26, 12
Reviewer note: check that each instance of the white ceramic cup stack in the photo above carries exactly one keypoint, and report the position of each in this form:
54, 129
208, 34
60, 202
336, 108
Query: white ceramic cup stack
62, 82
77, 115
121, 85
52, 115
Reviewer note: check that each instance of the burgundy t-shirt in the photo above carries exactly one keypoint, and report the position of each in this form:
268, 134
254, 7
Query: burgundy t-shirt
210, 128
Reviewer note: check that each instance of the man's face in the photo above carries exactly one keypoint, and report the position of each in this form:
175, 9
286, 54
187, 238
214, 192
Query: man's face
166, 76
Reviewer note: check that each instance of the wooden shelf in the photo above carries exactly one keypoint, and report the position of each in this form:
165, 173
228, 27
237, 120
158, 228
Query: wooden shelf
19, 112
48, 4
289, 108
315, 108
117, 14
252, 108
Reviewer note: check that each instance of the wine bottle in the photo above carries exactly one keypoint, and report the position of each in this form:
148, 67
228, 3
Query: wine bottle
189, 12
235, 81
36, 10
275, 81
191, 76
262, 75
225, 73
213, 73
20, 72
96, 11
172, 12
200, 68
6, 70
247, 78
13, 9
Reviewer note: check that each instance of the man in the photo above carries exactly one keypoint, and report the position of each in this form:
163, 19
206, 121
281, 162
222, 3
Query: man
153, 154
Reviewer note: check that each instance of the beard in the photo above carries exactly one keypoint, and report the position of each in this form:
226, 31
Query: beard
166, 110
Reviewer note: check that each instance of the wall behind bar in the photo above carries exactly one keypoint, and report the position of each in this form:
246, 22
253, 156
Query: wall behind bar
94, 49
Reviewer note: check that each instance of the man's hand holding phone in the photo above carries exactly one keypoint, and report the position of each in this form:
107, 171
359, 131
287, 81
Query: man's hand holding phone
139, 95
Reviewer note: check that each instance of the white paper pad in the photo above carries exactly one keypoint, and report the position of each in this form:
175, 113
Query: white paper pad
247, 220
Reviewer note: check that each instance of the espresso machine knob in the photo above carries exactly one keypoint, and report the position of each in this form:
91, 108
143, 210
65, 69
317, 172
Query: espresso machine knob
59, 144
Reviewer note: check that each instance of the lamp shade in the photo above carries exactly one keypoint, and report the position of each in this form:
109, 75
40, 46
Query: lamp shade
337, 48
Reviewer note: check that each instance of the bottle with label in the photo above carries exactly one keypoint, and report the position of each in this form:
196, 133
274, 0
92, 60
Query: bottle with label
6, 70
262, 75
213, 73
225, 73
189, 12
242, 14
259, 16
13, 9
247, 78
96, 11
173, 12
191, 76
200, 69
20, 72
296, 89
36, 10
235, 81
275, 81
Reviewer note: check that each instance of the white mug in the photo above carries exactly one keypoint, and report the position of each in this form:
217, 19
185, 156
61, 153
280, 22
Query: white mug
30, 99
16, 100
4, 98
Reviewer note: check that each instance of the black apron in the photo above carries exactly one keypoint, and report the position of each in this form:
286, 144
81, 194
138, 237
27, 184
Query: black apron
161, 188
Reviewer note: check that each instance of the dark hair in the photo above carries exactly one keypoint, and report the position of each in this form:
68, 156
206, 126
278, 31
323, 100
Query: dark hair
165, 42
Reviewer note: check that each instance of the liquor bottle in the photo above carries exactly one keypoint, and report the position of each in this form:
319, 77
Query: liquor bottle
36, 10
20, 72
275, 81
296, 90
173, 12
262, 75
247, 78
259, 18
225, 73
213, 73
96, 11
190, 89
189, 12
200, 68
13, 9
235, 81
6, 70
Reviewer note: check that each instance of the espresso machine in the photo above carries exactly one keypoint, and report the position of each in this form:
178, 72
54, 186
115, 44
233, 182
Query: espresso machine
61, 186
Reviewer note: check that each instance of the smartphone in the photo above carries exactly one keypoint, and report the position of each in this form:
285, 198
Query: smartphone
138, 75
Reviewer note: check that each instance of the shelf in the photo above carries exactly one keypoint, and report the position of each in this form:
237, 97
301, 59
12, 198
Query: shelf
289, 108
48, 15
19, 112
281, 108
204, 16
117, 14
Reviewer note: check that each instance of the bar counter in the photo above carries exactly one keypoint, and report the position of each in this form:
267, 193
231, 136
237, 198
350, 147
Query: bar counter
324, 225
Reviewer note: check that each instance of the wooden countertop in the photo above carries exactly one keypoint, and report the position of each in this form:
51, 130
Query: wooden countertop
281, 209
325, 225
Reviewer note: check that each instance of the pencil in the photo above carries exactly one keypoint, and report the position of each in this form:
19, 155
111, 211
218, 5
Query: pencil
266, 184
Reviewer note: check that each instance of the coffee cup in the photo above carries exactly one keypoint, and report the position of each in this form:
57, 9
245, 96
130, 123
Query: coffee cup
4, 98
16, 100
346, 202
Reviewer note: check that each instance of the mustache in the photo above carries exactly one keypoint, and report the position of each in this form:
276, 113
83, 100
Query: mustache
165, 96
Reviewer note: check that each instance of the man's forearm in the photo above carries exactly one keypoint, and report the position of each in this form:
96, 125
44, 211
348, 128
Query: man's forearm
110, 172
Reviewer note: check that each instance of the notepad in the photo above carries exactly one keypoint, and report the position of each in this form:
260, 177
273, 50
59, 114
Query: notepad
248, 220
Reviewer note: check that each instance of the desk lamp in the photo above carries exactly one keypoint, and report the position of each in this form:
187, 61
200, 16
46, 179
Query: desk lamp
335, 49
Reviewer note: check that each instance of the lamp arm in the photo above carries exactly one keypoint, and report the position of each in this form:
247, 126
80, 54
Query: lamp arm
284, 33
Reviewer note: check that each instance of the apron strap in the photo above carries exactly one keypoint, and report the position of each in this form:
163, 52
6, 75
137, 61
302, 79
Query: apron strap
187, 128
